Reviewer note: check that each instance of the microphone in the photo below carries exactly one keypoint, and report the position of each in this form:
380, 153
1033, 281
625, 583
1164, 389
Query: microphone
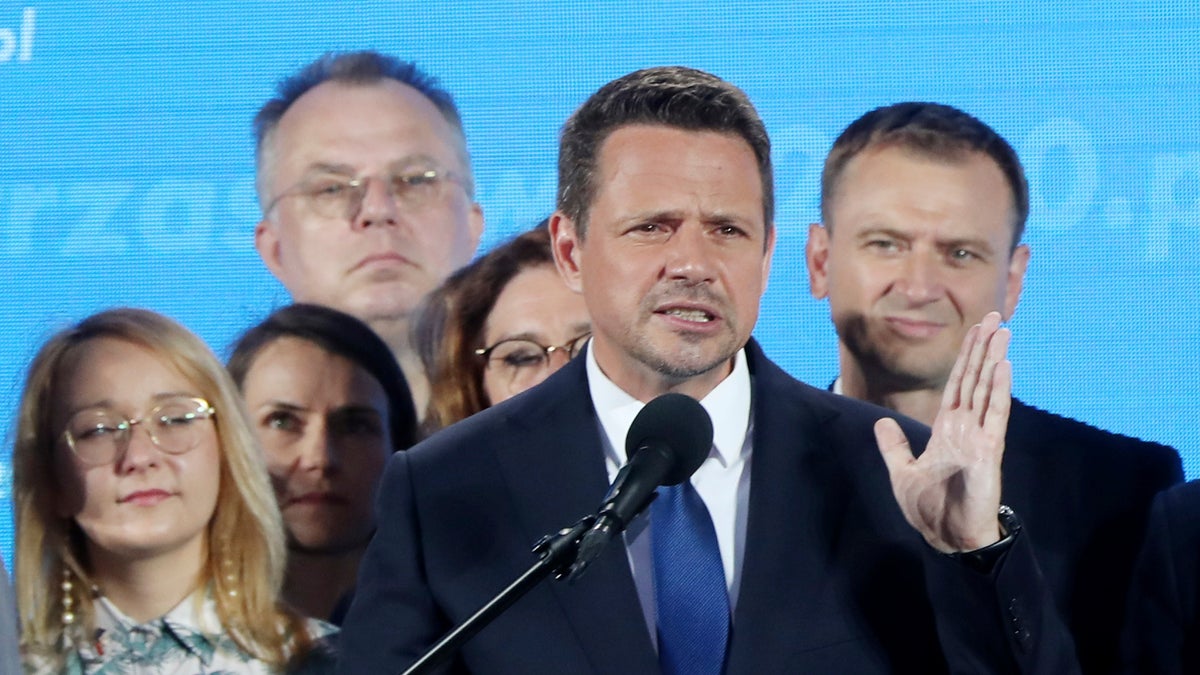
668, 440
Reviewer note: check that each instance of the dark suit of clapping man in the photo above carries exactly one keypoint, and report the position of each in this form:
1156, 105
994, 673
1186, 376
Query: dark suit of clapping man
839, 550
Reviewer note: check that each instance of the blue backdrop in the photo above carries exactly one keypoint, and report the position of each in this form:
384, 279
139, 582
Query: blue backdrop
126, 158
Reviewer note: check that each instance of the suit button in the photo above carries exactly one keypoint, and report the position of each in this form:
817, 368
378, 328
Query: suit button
1017, 625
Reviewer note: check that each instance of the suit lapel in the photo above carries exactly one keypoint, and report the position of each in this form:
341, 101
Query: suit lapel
798, 497
555, 475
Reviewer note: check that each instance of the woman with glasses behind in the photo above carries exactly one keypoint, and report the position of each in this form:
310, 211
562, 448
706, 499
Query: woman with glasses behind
147, 537
330, 405
497, 327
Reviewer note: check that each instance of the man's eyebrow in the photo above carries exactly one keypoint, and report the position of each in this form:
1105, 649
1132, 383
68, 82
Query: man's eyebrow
419, 159
876, 230
722, 218
654, 216
970, 242
327, 167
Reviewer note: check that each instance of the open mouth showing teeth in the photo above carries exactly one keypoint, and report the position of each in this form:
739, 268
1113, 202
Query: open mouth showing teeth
690, 314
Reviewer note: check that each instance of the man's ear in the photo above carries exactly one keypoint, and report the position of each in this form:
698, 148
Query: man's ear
266, 241
565, 242
475, 225
816, 254
1016, 279
768, 254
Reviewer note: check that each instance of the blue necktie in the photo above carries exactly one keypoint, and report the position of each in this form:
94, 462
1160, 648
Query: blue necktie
689, 584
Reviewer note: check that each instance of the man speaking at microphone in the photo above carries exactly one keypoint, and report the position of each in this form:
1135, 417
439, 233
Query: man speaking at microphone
809, 540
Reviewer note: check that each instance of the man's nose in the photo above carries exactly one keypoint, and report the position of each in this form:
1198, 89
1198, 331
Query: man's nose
689, 254
379, 205
921, 277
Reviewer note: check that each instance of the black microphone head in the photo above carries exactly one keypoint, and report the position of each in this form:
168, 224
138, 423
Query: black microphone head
679, 423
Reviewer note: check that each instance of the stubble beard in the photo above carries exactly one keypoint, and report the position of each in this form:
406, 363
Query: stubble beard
696, 354
888, 368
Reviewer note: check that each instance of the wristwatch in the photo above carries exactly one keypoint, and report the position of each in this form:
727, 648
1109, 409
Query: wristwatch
982, 560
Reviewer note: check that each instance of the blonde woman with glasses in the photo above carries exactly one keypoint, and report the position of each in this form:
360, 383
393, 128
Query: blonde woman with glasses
148, 540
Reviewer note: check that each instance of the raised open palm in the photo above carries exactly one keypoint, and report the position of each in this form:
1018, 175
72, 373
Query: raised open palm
951, 493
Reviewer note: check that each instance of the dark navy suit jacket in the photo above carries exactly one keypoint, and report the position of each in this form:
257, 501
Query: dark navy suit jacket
833, 579
1162, 634
1084, 495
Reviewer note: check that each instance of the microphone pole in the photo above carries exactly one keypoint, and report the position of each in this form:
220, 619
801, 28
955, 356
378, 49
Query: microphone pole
666, 443
556, 553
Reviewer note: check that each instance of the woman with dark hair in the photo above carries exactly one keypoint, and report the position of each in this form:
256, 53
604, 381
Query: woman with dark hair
329, 404
147, 539
497, 327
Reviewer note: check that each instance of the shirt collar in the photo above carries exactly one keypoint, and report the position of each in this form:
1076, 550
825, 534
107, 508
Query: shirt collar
728, 405
193, 624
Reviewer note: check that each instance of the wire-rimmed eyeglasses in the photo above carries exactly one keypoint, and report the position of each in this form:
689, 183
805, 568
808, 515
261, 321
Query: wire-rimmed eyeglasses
98, 436
520, 359
335, 196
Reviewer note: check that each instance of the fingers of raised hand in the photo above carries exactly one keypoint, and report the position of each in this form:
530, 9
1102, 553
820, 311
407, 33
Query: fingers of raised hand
977, 362
893, 445
951, 394
990, 388
995, 419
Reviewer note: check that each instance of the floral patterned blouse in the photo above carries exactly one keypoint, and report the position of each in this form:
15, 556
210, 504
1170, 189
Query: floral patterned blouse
188, 640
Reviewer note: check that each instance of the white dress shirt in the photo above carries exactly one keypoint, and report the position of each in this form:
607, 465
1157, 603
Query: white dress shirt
723, 480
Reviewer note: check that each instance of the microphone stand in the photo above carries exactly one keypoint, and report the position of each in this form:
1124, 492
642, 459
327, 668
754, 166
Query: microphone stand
556, 554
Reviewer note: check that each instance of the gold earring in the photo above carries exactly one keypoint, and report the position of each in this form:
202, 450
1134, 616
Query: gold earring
230, 579
68, 598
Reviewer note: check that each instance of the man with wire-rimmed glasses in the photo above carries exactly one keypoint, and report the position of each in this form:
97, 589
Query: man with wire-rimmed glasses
367, 193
